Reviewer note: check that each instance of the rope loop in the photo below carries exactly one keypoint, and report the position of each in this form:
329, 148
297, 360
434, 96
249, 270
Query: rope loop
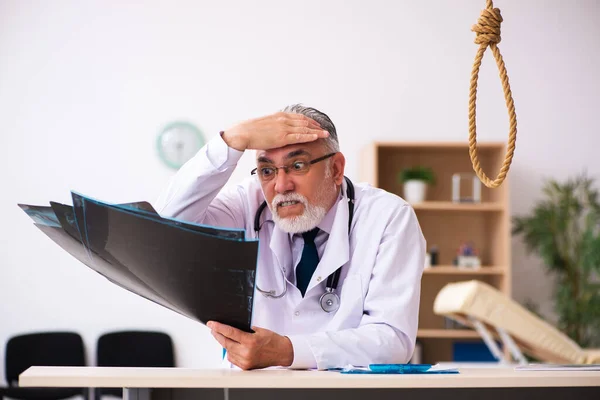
487, 32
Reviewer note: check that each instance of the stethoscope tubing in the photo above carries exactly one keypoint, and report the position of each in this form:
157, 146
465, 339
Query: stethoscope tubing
333, 279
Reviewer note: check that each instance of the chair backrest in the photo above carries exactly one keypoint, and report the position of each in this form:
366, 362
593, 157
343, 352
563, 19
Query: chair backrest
42, 348
532, 334
135, 349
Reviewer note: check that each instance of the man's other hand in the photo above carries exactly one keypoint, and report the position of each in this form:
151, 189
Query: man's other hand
273, 131
261, 349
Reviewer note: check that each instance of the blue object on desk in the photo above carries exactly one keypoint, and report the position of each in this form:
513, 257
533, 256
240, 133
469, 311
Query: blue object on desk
398, 369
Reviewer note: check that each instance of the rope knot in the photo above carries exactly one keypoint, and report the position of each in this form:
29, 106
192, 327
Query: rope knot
488, 27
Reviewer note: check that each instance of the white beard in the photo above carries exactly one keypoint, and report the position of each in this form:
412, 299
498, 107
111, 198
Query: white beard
312, 215
310, 218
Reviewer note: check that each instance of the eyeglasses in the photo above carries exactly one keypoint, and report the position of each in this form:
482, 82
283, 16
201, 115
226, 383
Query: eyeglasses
298, 166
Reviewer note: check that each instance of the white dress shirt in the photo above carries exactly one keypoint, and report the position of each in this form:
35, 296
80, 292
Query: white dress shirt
297, 242
382, 263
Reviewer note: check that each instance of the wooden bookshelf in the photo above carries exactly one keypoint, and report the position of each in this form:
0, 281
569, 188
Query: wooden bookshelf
446, 225
447, 334
453, 270
450, 206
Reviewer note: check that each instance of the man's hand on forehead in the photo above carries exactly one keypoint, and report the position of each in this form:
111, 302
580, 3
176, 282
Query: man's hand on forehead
273, 131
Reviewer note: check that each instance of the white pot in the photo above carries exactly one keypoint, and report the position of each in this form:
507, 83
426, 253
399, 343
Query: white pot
414, 191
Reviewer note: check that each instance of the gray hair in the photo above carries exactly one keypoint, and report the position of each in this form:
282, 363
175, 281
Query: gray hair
331, 142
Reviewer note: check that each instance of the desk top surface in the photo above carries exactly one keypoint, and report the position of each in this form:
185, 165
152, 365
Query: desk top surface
284, 378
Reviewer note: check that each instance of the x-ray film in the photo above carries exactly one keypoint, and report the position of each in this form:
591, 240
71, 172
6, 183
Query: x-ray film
204, 273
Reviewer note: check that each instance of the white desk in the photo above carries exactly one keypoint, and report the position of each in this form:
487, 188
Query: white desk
143, 383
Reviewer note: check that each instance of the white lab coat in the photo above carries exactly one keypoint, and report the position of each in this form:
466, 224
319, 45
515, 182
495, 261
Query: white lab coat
379, 286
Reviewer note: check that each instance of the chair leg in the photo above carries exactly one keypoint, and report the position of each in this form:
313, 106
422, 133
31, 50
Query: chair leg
512, 346
488, 340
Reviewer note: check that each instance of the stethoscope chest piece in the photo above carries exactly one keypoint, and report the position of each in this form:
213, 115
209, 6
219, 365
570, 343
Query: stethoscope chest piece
330, 301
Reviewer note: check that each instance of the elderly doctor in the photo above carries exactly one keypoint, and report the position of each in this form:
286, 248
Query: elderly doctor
340, 280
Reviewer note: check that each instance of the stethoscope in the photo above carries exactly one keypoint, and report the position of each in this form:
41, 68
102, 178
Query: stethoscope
330, 301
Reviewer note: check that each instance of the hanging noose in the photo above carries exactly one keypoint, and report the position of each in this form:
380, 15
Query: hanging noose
488, 35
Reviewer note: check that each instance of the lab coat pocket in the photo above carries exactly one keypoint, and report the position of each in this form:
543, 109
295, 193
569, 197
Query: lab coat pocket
350, 312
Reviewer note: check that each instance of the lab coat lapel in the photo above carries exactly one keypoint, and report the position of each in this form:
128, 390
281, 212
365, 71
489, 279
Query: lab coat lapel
280, 246
337, 250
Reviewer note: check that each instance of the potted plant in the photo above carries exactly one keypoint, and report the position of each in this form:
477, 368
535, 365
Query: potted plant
415, 181
564, 230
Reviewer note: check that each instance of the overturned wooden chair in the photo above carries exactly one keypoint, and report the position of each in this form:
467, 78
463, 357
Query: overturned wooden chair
497, 317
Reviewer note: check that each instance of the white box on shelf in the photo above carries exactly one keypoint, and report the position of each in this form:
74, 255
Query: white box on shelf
471, 262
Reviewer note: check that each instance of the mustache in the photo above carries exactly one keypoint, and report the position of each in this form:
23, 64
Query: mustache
280, 198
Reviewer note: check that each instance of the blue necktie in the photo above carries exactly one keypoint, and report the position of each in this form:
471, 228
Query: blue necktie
308, 262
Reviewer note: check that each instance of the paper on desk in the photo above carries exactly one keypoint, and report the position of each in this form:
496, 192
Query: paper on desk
202, 272
558, 367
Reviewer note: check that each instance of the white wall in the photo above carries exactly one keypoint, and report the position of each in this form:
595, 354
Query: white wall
85, 87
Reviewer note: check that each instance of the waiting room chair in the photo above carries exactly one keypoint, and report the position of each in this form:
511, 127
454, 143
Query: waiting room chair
133, 349
494, 315
42, 349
